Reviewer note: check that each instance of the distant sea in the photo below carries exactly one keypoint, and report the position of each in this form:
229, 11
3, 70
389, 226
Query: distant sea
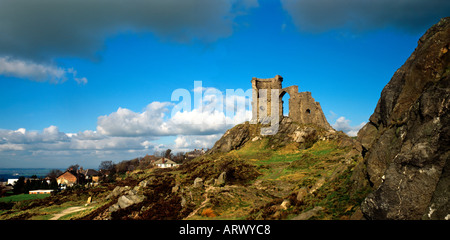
7, 173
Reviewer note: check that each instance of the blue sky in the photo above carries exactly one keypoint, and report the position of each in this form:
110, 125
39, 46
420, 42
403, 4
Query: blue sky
87, 81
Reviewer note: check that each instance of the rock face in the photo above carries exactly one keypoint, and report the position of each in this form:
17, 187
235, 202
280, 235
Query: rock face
407, 141
232, 139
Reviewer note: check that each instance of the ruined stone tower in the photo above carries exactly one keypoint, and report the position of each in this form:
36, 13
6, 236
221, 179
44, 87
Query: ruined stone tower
303, 108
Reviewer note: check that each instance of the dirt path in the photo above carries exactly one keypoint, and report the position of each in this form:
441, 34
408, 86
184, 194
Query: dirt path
205, 195
67, 211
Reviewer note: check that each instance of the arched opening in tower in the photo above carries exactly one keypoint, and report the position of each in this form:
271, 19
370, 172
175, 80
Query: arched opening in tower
285, 103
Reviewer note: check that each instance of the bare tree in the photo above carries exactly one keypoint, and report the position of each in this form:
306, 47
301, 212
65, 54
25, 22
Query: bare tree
73, 167
168, 153
54, 173
106, 165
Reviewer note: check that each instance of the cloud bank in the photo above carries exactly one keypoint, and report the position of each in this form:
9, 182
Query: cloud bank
216, 112
52, 28
53, 148
125, 134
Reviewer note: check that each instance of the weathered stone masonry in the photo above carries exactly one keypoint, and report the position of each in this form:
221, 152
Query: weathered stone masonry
303, 108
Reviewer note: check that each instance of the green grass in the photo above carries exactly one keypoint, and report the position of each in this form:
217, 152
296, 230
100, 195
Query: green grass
42, 212
338, 200
23, 197
289, 163
304, 167
280, 158
253, 151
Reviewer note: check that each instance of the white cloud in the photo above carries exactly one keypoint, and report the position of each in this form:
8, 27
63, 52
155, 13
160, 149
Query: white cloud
343, 124
125, 122
211, 117
185, 143
81, 80
36, 72
21, 136
87, 135
30, 70
52, 139
11, 147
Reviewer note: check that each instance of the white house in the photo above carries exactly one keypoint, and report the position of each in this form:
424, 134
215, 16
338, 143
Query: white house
165, 163
12, 181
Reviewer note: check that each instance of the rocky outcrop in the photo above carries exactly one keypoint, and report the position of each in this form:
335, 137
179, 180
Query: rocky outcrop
127, 197
237, 136
233, 138
305, 135
406, 144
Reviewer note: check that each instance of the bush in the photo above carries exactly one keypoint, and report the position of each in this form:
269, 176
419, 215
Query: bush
208, 212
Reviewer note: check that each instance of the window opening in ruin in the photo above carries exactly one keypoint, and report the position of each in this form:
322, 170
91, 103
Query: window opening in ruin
308, 111
285, 100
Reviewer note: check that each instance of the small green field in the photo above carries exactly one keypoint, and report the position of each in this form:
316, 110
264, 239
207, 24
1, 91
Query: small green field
22, 197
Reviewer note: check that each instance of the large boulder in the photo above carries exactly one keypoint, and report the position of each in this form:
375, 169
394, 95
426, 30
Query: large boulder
306, 135
221, 180
198, 183
128, 200
117, 191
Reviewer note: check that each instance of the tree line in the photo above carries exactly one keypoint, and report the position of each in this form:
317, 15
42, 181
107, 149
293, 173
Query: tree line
110, 170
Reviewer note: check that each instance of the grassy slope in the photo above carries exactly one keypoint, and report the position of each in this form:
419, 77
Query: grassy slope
284, 171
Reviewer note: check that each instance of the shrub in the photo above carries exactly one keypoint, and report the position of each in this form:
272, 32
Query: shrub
208, 212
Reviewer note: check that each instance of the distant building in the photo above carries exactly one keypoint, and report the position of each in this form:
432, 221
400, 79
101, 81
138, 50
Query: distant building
91, 175
195, 153
165, 163
41, 191
12, 181
67, 178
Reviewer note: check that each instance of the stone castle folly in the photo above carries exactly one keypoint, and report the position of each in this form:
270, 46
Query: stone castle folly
303, 108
